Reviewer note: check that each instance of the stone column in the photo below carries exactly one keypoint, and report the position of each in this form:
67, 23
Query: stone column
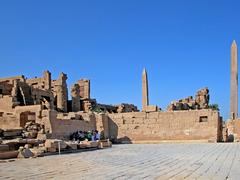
84, 85
47, 80
75, 98
145, 101
62, 93
234, 82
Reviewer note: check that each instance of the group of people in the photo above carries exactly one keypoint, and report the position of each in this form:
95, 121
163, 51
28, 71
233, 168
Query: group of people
83, 135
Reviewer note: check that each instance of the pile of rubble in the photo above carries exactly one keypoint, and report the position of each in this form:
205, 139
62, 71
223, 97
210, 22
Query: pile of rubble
32, 142
26, 148
31, 130
201, 101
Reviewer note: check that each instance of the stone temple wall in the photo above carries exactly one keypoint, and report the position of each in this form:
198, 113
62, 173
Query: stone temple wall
202, 125
62, 126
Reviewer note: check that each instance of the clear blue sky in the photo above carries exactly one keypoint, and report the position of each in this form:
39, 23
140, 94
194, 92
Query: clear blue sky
185, 45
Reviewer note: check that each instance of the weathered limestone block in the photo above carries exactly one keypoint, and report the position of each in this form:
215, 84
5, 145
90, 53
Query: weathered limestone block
8, 154
84, 144
72, 145
53, 143
106, 143
94, 144
4, 147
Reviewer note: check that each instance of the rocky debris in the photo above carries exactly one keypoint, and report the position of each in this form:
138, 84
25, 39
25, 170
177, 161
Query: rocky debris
36, 148
201, 101
25, 152
32, 129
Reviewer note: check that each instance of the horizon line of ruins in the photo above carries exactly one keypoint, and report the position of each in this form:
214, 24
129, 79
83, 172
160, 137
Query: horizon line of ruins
82, 89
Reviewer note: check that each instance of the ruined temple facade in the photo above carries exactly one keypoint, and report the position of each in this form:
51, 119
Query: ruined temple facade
45, 101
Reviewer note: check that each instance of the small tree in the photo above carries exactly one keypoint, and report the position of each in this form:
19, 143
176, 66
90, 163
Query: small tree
214, 107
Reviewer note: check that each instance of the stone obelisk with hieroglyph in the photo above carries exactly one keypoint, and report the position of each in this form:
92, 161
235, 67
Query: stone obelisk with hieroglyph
234, 82
145, 101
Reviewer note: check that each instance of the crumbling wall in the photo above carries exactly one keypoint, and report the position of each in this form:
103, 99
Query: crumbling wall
63, 125
176, 125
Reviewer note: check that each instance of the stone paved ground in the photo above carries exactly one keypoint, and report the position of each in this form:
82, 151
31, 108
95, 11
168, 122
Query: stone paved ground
143, 161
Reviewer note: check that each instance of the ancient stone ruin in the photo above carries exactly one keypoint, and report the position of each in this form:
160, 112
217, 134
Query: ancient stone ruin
36, 114
201, 101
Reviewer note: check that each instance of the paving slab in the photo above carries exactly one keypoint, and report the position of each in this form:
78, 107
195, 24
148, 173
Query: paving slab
134, 161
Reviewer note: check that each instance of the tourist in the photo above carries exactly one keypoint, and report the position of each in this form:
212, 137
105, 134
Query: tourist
93, 135
97, 135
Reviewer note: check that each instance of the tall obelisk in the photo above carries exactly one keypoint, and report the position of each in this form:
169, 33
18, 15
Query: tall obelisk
145, 101
234, 82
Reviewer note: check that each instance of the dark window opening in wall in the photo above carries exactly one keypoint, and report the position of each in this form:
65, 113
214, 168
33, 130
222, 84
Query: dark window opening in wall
1, 91
203, 119
1, 114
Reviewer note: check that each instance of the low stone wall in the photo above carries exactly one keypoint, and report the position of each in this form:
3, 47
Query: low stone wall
63, 128
160, 126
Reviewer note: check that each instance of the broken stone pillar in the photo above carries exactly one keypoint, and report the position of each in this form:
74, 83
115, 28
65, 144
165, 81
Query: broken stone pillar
47, 80
145, 101
75, 92
62, 93
234, 82
84, 85
14, 93
202, 98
